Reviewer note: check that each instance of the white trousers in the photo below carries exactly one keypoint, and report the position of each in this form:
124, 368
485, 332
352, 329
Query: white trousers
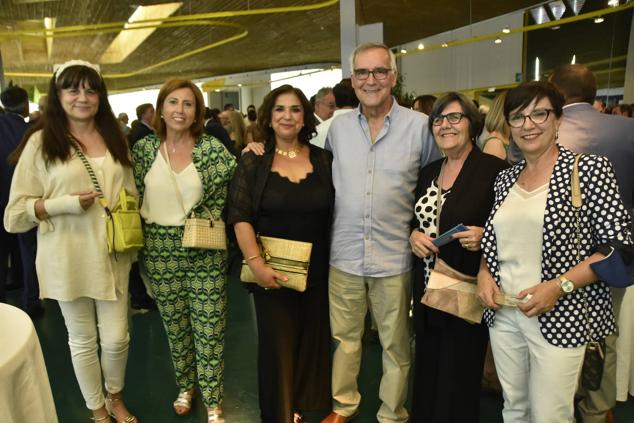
539, 380
389, 299
86, 319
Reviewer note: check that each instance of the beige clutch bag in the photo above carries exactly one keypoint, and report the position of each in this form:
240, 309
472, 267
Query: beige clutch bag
289, 257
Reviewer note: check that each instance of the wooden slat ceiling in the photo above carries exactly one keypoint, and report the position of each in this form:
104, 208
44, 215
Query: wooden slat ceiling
273, 40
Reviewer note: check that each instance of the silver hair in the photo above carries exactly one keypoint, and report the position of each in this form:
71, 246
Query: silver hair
369, 46
323, 92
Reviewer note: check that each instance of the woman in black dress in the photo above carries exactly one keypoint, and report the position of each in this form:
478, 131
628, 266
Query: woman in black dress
450, 351
287, 193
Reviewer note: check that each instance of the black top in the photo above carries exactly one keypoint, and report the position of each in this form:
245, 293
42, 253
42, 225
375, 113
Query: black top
138, 131
469, 202
253, 190
301, 212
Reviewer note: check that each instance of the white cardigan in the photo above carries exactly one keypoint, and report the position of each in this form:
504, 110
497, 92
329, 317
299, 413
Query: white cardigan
72, 253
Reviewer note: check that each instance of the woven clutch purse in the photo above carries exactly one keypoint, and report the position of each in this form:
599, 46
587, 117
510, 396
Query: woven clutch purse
291, 258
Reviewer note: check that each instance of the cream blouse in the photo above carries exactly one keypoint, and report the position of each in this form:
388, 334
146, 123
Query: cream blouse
72, 253
519, 225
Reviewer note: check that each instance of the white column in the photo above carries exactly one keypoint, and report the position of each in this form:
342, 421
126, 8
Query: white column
348, 34
628, 94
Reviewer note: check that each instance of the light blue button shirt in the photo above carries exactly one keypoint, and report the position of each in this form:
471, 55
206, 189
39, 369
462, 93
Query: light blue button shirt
374, 184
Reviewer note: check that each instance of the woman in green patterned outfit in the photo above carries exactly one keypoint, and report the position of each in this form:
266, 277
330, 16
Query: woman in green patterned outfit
177, 170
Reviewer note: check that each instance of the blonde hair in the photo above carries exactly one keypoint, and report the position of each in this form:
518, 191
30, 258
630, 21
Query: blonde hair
495, 120
238, 128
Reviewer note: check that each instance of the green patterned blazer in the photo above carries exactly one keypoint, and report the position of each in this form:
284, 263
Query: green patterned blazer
214, 164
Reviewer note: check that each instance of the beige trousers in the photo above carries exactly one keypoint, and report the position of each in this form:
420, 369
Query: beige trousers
594, 405
389, 300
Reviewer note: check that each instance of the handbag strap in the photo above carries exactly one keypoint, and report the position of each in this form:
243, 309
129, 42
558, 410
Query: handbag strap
577, 201
91, 173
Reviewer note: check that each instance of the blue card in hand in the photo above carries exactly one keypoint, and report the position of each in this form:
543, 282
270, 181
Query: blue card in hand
446, 237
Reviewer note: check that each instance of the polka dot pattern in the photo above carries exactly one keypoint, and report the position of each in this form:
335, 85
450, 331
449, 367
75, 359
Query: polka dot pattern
603, 218
425, 211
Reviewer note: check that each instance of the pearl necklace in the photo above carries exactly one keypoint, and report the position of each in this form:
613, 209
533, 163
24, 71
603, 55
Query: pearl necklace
291, 154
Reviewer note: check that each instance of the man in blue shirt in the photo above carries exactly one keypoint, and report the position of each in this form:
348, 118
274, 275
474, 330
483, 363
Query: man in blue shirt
378, 151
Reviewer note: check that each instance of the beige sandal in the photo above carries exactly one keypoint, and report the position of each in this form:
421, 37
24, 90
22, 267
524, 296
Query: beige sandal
127, 419
100, 419
184, 401
215, 415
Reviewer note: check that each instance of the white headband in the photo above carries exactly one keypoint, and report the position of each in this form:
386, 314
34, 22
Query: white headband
58, 69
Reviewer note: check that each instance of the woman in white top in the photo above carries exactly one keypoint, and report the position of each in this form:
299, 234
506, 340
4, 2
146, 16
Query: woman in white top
51, 189
538, 247
179, 170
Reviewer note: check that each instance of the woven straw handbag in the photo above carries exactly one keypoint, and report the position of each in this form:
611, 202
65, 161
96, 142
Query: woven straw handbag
205, 233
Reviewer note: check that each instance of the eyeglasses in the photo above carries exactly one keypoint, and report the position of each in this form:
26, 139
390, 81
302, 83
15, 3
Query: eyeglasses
378, 73
453, 118
536, 116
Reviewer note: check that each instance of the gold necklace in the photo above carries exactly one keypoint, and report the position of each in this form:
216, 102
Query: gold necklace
291, 154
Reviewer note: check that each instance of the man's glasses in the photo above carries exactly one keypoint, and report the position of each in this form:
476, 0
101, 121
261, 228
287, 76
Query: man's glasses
453, 118
538, 116
378, 73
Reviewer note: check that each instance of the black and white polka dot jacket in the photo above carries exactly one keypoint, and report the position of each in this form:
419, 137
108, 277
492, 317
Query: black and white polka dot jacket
603, 218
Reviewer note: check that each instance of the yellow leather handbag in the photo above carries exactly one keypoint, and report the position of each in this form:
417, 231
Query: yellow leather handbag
123, 224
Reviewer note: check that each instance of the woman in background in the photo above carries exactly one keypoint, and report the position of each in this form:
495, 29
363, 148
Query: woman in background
497, 143
52, 190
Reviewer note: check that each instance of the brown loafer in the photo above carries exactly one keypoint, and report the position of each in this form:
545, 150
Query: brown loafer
338, 418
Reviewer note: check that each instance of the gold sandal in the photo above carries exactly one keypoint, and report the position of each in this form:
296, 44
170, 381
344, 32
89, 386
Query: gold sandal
184, 401
100, 419
215, 415
127, 419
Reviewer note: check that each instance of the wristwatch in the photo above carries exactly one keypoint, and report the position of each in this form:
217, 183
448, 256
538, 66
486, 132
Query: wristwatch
565, 285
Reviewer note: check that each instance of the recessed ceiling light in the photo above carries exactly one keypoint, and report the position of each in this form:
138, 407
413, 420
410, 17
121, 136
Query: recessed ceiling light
613, 3
444, 45
403, 51
239, 85
506, 30
598, 20
498, 40
421, 46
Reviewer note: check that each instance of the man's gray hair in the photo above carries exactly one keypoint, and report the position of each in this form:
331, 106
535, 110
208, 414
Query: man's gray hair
369, 46
323, 92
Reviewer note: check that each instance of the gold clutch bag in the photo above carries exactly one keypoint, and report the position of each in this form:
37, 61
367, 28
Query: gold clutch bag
285, 256
453, 292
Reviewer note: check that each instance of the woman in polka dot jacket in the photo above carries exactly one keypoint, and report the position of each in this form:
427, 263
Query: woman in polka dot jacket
530, 252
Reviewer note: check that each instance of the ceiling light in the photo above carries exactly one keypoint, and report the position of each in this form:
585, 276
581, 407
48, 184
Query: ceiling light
403, 51
537, 69
421, 46
498, 40
130, 39
576, 5
613, 3
598, 20
506, 30
539, 15
491, 89
217, 90
239, 85
557, 8
444, 45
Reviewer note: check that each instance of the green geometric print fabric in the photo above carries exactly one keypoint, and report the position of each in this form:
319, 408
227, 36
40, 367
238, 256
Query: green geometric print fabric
190, 289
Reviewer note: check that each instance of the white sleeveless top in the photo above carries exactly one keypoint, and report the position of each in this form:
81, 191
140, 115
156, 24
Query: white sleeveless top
161, 204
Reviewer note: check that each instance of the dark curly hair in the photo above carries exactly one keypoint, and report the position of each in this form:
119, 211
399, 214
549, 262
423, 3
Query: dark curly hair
266, 111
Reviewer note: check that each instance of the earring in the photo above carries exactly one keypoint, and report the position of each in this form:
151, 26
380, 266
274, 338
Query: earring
161, 116
556, 134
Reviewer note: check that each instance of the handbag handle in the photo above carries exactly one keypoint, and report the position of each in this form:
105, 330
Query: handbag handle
577, 201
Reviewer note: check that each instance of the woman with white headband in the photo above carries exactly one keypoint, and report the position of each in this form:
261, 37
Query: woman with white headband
52, 189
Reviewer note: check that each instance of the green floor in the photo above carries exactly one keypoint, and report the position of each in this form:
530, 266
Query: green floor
150, 387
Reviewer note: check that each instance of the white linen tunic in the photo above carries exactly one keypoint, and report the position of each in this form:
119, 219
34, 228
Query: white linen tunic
72, 252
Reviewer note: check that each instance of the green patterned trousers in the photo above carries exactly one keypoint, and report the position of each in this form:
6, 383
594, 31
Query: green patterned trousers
190, 289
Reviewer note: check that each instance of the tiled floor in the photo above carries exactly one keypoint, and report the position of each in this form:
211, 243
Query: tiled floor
150, 387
